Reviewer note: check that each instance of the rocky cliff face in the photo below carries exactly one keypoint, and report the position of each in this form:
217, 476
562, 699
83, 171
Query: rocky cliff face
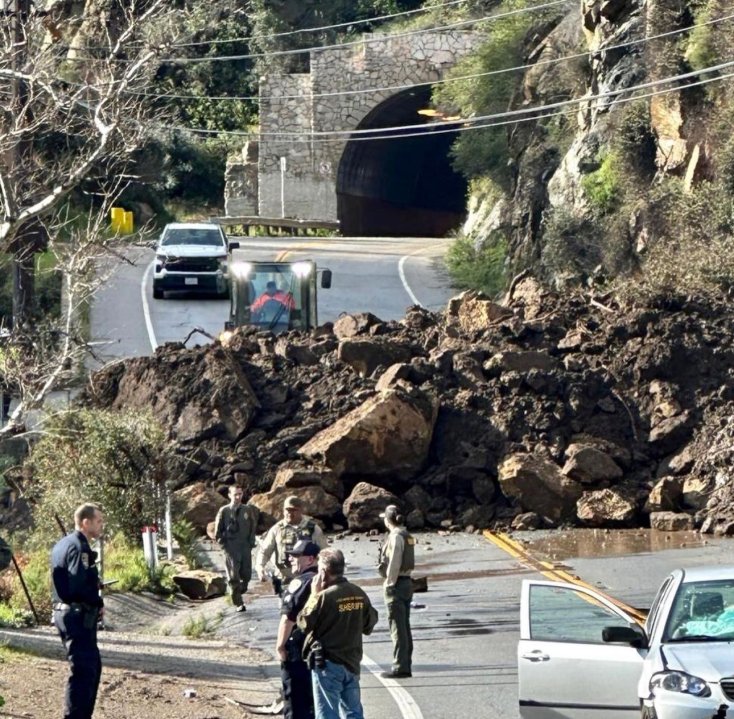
541, 411
585, 192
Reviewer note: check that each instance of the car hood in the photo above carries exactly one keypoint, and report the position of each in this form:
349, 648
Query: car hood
709, 660
191, 251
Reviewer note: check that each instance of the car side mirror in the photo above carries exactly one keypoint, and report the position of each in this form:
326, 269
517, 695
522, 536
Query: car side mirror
234, 246
326, 279
632, 635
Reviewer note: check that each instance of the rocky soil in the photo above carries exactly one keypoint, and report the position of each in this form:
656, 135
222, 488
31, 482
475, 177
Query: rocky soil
542, 410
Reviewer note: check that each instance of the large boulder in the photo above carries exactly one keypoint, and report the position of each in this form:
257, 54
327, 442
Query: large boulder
198, 504
295, 474
317, 503
196, 396
366, 354
388, 434
357, 324
671, 521
590, 465
475, 311
363, 506
605, 507
665, 495
200, 584
538, 485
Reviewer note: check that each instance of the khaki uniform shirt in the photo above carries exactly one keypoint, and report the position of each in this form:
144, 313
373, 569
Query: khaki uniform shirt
398, 555
280, 539
338, 617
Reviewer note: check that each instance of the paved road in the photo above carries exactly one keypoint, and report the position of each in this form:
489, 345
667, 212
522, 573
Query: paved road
379, 275
466, 633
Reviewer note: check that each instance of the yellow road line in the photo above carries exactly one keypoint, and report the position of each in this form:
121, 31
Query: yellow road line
550, 571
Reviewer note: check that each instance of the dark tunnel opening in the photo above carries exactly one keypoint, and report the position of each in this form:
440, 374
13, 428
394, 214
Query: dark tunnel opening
403, 187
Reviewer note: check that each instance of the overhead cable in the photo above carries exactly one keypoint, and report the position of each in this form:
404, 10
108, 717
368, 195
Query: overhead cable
335, 26
440, 81
479, 122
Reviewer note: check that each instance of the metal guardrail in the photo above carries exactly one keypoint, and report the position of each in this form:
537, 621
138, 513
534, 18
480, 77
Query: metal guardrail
286, 223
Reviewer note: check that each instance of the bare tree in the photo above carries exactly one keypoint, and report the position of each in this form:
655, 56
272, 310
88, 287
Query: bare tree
74, 107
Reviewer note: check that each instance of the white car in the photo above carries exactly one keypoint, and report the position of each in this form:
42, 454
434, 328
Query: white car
582, 657
191, 257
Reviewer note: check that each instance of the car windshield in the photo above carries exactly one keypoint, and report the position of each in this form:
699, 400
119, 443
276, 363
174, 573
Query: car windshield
702, 611
192, 236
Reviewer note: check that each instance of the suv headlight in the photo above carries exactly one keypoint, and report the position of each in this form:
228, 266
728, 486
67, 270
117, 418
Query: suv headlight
673, 681
161, 258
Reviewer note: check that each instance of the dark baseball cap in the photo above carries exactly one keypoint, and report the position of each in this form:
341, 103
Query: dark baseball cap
305, 548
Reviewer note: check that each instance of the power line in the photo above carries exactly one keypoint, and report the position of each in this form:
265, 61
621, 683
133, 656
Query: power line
335, 26
475, 123
440, 81
365, 40
511, 113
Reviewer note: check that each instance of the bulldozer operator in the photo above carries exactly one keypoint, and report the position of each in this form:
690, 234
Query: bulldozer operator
273, 301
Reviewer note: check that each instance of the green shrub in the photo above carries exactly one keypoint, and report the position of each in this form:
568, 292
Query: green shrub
196, 627
113, 458
602, 187
15, 617
188, 542
125, 562
701, 50
486, 151
37, 576
577, 247
481, 268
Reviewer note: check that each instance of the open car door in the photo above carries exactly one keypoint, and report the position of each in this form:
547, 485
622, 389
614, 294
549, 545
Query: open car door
565, 669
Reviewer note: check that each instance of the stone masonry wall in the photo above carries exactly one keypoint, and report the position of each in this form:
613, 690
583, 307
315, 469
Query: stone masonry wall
302, 104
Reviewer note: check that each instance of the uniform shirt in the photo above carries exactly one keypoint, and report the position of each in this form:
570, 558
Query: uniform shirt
280, 539
74, 574
400, 555
295, 597
338, 617
236, 527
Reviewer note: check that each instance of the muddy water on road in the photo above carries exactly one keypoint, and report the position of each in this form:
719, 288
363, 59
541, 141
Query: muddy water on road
561, 545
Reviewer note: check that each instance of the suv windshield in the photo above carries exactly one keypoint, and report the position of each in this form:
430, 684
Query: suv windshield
702, 611
186, 236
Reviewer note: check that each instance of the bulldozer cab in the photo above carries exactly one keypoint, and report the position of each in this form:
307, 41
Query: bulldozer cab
274, 296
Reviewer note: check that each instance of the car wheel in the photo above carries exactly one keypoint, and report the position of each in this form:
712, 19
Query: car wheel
157, 293
648, 713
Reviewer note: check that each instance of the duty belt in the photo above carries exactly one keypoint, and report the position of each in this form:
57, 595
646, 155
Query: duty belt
62, 607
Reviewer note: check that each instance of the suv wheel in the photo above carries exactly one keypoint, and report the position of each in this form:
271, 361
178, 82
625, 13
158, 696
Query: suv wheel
157, 292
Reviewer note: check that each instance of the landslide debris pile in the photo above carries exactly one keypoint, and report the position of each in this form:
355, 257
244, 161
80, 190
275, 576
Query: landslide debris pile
540, 411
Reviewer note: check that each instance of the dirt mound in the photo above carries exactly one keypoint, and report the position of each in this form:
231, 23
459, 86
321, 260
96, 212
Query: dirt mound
545, 409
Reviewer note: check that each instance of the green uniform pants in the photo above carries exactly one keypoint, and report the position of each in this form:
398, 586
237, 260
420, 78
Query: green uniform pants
397, 601
239, 571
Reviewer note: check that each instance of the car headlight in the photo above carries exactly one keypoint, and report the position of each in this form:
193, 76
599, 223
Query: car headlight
673, 681
161, 258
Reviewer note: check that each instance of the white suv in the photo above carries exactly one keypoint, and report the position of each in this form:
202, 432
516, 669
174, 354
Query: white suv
191, 257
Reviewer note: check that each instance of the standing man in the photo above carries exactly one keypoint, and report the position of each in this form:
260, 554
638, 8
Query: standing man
77, 606
235, 530
283, 536
334, 619
296, 676
397, 561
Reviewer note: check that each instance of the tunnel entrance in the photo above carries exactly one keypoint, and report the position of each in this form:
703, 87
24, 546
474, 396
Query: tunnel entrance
401, 187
